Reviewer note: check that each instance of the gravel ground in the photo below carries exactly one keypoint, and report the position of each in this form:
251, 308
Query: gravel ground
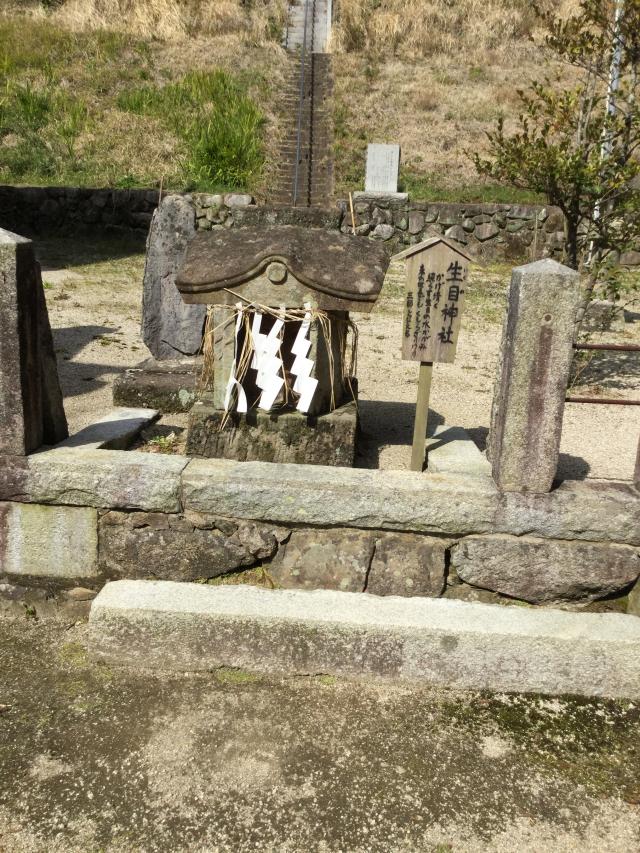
94, 296
101, 760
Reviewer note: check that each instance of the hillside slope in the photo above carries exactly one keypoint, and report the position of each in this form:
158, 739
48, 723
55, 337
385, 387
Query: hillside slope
95, 90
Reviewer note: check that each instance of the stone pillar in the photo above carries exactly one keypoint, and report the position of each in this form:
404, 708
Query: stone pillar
532, 377
170, 327
636, 473
31, 410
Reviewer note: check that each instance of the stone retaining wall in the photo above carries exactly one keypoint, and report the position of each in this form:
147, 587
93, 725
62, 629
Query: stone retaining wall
491, 231
37, 210
71, 517
488, 230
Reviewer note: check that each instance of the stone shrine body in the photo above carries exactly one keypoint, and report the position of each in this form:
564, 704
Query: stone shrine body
278, 331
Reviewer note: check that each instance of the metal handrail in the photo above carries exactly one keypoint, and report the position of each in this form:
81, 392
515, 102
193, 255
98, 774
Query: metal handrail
301, 101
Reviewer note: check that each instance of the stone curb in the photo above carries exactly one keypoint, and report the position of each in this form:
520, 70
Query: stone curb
449, 504
187, 627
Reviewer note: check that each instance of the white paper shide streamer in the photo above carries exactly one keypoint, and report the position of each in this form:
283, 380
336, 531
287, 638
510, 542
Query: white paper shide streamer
267, 361
305, 385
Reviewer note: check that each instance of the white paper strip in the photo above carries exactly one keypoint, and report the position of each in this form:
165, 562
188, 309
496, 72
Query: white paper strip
305, 384
266, 360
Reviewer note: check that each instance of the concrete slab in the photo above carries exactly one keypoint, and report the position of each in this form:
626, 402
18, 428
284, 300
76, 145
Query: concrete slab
173, 626
451, 450
116, 431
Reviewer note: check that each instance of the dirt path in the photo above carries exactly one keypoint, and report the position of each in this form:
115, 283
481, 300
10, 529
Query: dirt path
101, 760
94, 296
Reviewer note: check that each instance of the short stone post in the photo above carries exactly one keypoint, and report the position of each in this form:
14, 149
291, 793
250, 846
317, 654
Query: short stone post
533, 375
31, 410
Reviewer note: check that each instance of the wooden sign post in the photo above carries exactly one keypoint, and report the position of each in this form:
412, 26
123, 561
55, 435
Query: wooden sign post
436, 275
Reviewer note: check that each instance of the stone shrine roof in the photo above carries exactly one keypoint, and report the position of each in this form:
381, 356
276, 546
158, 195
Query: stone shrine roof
340, 265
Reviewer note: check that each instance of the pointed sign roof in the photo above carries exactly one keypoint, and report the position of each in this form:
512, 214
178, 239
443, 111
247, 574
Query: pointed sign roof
427, 244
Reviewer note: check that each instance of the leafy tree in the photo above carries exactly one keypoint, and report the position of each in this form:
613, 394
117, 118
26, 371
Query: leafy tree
577, 138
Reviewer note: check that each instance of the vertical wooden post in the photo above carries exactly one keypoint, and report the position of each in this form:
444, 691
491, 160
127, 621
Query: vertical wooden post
422, 415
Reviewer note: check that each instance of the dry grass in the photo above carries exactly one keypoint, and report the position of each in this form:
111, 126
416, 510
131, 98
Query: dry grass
169, 20
465, 30
434, 81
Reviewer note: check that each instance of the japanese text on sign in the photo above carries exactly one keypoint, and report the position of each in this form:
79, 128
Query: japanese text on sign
435, 288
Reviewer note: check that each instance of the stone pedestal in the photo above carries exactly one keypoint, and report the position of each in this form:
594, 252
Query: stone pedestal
285, 436
31, 410
168, 386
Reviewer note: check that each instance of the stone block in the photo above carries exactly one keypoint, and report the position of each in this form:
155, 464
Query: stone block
450, 504
115, 479
450, 450
486, 231
31, 410
48, 541
383, 232
116, 431
542, 571
416, 222
170, 327
177, 627
533, 374
382, 199
273, 436
338, 558
521, 211
407, 564
238, 199
168, 386
457, 233
315, 495
181, 548
449, 214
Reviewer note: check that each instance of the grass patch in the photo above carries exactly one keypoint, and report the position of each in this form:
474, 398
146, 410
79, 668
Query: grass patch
220, 125
424, 187
231, 675
100, 108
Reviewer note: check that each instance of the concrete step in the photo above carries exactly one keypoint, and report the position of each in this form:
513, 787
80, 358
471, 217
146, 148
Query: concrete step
172, 626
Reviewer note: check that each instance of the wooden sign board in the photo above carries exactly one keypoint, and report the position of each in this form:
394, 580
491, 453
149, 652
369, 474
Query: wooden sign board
436, 276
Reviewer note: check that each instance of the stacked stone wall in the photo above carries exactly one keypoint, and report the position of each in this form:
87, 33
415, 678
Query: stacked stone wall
491, 231
73, 518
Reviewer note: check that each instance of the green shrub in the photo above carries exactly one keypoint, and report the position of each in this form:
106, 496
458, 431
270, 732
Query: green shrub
220, 124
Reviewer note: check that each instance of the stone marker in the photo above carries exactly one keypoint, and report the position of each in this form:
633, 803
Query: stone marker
182, 626
383, 168
170, 327
31, 410
533, 374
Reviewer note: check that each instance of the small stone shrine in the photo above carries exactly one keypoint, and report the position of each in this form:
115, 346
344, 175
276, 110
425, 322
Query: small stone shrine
280, 348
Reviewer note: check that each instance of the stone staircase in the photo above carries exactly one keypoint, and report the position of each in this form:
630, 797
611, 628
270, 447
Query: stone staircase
304, 176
